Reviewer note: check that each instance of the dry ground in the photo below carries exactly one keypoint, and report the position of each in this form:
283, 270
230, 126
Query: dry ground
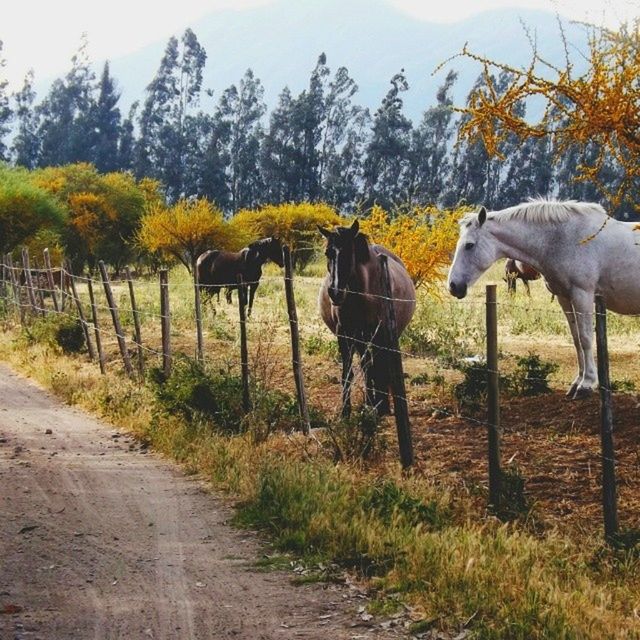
99, 538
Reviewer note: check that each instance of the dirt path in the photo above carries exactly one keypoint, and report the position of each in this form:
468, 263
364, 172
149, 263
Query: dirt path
100, 539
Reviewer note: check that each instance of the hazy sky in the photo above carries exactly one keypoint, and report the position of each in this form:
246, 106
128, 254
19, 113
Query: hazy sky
43, 34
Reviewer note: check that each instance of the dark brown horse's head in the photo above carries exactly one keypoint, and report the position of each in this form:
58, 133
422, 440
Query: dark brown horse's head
346, 248
266, 249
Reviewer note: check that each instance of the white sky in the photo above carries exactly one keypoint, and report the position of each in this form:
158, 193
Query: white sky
44, 34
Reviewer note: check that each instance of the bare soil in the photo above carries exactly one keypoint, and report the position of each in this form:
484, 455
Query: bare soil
101, 538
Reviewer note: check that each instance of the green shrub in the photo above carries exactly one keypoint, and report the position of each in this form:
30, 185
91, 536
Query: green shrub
513, 500
356, 437
58, 331
389, 501
198, 395
530, 377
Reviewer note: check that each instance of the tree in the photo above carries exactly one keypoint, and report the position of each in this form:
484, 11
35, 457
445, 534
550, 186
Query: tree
5, 109
429, 164
280, 151
104, 125
387, 151
103, 210
238, 122
294, 224
598, 109
342, 139
183, 231
64, 115
171, 95
25, 209
26, 144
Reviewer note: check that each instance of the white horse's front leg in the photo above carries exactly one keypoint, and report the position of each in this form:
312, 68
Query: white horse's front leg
565, 303
582, 303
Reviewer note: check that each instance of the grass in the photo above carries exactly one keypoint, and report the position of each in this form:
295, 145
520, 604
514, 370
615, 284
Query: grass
417, 538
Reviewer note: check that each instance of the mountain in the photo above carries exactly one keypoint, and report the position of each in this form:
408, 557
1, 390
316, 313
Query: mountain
281, 43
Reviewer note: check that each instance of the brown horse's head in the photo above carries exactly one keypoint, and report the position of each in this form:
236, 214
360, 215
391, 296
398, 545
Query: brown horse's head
266, 249
346, 248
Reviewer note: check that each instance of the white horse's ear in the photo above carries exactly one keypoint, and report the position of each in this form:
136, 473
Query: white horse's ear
482, 216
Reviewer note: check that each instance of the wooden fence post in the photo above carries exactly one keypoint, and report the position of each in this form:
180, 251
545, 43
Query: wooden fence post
15, 285
3, 280
26, 267
165, 318
115, 316
83, 320
52, 284
493, 398
39, 291
295, 340
63, 286
198, 311
96, 328
609, 500
244, 354
136, 322
400, 408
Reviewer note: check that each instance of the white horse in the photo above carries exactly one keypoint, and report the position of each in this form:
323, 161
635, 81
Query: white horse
576, 246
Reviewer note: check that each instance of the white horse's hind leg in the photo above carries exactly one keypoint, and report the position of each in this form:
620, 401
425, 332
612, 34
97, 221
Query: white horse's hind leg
565, 303
581, 311
583, 307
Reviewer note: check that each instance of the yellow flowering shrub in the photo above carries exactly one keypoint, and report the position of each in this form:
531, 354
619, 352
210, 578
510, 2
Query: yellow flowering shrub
184, 231
424, 239
294, 224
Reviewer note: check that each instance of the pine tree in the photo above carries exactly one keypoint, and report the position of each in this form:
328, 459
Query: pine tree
429, 162
171, 95
388, 149
471, 170
64, 115
280, 152
26, 144
104, 125
342, 138
126, 140
5, 109
238, 123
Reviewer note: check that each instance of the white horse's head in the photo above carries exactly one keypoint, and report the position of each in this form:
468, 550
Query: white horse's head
475, 253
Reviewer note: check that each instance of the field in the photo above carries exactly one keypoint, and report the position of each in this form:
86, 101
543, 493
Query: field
553, 442
550, 449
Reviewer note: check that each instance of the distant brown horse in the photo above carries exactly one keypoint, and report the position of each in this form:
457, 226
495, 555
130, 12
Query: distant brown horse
220, 269
515, 270
352, 306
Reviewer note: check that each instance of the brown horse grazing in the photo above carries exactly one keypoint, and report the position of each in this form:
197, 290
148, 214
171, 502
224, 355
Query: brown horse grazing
352, 306
220, 269
515, 270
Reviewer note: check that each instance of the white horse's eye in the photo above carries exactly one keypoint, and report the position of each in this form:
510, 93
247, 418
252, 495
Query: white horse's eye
469, 245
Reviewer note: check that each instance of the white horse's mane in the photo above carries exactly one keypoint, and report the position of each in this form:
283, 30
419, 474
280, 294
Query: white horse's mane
542, 211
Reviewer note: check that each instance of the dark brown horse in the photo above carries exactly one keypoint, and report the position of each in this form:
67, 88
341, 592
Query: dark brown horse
515, 270
220, 269
352, 306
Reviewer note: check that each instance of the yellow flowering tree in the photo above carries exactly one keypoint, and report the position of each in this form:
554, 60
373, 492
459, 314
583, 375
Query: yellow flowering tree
599, 107
423, 238
183, 231
294, 224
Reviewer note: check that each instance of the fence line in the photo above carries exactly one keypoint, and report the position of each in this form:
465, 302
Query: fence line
11, 278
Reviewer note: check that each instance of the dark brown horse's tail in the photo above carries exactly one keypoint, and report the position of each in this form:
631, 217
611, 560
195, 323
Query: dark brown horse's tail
381, 379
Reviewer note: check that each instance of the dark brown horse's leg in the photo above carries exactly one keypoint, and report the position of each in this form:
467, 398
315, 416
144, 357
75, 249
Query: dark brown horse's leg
346, 353
252, 293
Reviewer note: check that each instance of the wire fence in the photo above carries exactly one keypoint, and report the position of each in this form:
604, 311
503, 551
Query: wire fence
124, 319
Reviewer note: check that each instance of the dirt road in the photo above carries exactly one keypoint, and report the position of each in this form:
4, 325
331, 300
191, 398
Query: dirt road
101, 539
